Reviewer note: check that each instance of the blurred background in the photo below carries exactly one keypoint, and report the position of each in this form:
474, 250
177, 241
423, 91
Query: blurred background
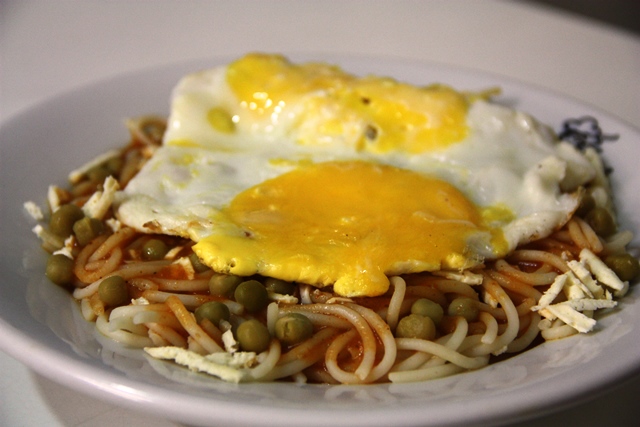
624, 14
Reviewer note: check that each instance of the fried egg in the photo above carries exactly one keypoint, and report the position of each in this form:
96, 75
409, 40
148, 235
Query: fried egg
306, 173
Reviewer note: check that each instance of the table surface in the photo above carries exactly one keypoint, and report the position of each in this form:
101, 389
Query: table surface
48, 48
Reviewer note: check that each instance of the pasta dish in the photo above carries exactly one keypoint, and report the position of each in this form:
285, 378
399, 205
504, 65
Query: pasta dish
295, 222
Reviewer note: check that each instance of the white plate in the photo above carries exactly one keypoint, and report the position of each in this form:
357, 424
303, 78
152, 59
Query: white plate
40, 324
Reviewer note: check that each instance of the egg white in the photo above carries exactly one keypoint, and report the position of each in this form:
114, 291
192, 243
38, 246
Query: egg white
507, 160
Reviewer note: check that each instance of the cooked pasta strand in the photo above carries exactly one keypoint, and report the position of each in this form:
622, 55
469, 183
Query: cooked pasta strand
188, 322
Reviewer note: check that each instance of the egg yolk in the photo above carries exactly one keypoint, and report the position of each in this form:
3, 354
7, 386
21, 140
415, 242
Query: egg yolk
374, 114
347, 224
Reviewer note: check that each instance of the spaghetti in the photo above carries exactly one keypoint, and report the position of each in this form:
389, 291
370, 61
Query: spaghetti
501, 307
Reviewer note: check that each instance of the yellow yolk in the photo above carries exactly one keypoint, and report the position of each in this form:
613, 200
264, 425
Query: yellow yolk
350, 224
386, 115
264, 166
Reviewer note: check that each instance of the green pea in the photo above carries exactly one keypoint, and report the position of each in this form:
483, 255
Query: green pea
87, 229
465, 307
252, 295
154, 249
197, 263
254, 336
154, 129
624, 265
601, 221
114, 165
223, 285
293, 328
428, 308
416, 326
59, 269
587, 204
98, 174
113, 291
62, 220
215, 311
279, 286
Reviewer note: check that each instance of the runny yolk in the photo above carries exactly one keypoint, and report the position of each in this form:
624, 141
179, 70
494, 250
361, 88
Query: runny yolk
328, 105
347, 224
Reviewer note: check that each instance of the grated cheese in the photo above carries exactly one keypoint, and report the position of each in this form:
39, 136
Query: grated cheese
282, 298
585, 278
582, 285
466, 277
34, 210
67, 249
603, 273
554, 290
572, 317
590, 304
100, 202
228, 367
114, 224
38, 230
230, 343
53, 197
574, 288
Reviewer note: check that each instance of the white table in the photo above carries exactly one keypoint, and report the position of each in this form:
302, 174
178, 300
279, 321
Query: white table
50, 47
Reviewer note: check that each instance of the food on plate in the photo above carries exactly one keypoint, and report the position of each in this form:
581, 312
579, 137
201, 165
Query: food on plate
294, 221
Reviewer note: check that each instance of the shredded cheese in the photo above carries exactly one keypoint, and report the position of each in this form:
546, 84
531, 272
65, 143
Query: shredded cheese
465, 276
584, 275
603, 273
554, 290
583, 286
67, 249
574, 288
230, 343
100, 202
282, 298
38, 230
572, 317
226, 366
53, 197
34, 210
114, 224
